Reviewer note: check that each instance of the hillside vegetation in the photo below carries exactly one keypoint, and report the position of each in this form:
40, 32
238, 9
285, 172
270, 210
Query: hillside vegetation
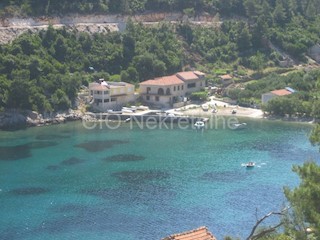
44, 71
282, 9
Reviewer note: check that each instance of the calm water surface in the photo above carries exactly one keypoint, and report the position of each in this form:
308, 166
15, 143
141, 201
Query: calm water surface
66, 182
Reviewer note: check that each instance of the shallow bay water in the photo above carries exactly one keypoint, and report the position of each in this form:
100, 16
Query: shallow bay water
68, 182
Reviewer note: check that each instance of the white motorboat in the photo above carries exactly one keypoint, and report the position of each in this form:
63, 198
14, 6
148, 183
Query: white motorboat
199, 124
238, 126
250, 164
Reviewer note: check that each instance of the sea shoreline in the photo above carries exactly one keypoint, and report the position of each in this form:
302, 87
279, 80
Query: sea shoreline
16, 120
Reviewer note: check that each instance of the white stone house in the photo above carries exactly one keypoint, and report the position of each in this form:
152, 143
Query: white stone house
111, 95
168, 90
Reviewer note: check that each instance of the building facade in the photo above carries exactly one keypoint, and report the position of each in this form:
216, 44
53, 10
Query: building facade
168, 90
266, 97
111, 95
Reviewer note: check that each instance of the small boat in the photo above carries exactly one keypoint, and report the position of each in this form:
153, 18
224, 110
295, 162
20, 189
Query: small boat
199, 124
238, 126
250, 164
205, 107
142, 108
127, 111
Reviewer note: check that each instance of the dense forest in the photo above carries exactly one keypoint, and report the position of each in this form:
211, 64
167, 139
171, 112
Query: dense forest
283, 10
44, 71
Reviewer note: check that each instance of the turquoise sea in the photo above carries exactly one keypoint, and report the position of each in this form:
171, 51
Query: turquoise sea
68, 182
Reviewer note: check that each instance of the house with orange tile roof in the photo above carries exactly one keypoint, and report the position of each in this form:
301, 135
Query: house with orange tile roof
276, 93
226, 79
168, 90
201, 233
111, 95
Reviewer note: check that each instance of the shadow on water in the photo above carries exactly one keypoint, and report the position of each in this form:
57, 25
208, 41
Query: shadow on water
53, 167
22, 151
140, 177
29, 191
15, 152
97, 146
72, 161
67, 162
37, 145
51, 137
124, 158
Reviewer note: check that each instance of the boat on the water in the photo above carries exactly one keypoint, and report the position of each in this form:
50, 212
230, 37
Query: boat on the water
250, 164
199, 124
239, 125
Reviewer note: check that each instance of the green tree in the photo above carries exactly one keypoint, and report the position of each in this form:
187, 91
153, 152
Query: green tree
257, 62
124, 75
4, 91
60, 49
144, 66
305, 200
244, 39
60, 100
133, 74
19, 93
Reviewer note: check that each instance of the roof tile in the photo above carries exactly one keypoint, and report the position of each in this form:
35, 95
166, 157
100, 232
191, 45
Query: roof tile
187, 76
201, 233
163, 81
281, 92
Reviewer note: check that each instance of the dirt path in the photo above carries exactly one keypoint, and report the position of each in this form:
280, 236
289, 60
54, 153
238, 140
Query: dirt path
13, 27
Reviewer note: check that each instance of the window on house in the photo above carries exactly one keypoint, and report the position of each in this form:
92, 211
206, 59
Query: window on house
106, 92
113, 99
191, 85
160, 91
148, 98
182, 87
157, 99
178, 88
106, 100
174, 88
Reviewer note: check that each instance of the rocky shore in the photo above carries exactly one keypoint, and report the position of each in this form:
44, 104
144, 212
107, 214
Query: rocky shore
13, 119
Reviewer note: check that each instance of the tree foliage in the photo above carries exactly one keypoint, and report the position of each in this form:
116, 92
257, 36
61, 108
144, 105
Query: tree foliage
305, 201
